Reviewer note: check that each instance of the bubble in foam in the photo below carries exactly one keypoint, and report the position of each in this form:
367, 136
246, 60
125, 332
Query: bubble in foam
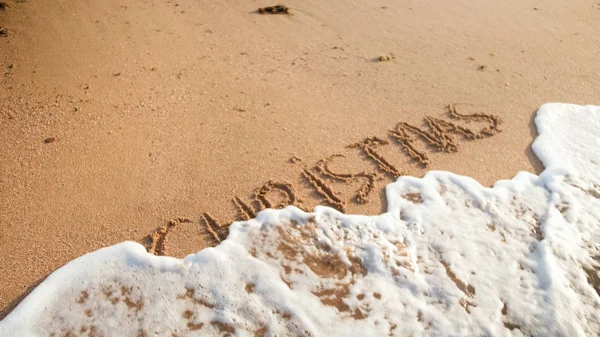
449, 257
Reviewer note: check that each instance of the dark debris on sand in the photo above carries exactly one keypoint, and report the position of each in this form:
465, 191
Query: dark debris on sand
277, 9
3, 7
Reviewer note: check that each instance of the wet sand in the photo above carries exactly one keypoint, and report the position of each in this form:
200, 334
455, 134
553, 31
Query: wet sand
118, 117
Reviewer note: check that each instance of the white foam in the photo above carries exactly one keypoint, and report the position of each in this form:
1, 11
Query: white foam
518, 259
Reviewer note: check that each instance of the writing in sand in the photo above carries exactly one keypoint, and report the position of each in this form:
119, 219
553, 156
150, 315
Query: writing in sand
439, 134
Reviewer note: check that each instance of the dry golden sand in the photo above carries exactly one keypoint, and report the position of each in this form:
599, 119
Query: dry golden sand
119, 116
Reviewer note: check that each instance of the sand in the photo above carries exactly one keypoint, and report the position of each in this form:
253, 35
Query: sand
117, 117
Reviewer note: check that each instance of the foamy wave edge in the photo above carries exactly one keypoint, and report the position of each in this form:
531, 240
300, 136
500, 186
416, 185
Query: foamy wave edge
449, 257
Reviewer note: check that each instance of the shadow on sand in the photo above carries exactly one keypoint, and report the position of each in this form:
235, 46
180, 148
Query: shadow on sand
535, 162
12, 305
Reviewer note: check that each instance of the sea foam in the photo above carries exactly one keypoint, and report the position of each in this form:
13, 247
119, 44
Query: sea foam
449, 258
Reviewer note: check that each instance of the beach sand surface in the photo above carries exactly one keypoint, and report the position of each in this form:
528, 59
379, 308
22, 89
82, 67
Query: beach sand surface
117, 117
